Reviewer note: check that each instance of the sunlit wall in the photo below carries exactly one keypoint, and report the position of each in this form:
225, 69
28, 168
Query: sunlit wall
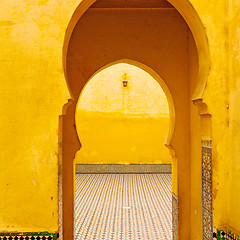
118, 124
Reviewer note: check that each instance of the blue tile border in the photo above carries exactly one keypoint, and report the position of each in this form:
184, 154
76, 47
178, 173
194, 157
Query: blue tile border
206, 146
122, 168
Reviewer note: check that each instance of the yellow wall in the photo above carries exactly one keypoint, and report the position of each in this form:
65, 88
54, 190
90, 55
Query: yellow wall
234, 118
33, 91
195, 150
119, 124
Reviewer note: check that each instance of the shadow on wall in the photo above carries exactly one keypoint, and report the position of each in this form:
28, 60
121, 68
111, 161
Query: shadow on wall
120, 124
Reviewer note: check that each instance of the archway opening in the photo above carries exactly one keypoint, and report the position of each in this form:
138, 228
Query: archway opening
122, 119
158, 37
120, 124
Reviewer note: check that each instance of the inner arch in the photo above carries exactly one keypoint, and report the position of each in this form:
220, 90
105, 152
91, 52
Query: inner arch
122, 125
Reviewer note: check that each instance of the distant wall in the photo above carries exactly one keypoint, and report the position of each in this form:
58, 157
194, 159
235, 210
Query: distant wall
119, 124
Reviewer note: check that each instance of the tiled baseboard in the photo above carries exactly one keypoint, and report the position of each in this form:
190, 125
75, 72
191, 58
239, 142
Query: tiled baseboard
231, 235
123, 168
224, 235
217, 235
29, 236
175, 216
207, 189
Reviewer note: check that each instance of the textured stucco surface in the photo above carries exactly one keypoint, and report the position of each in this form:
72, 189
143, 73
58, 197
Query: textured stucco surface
122, 125
33, 91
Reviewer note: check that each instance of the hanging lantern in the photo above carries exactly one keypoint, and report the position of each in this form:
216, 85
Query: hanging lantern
125, 81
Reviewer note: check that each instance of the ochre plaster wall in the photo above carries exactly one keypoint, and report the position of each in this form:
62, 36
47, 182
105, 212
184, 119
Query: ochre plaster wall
121, 125
195, 147
221, 26
33, 91
234, 118
222, 37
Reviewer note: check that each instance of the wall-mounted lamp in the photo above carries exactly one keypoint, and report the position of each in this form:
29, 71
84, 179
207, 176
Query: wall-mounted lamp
125, 81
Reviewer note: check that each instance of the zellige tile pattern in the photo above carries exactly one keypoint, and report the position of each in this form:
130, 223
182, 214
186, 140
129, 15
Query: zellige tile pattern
123, 168
175, 216
224, 235
207, 189
123, 206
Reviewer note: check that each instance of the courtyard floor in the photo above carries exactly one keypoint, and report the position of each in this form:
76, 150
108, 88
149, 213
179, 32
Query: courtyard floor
123, 207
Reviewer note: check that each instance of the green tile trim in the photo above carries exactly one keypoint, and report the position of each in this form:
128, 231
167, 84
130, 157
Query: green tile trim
224, 235
24, 234
232, 235
27, 234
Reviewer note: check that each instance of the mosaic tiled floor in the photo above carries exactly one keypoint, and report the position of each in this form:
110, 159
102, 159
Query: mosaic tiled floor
123, 206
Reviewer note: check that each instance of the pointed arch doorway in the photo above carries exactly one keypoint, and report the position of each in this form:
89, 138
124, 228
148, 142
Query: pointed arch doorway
122, 119
168, 47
